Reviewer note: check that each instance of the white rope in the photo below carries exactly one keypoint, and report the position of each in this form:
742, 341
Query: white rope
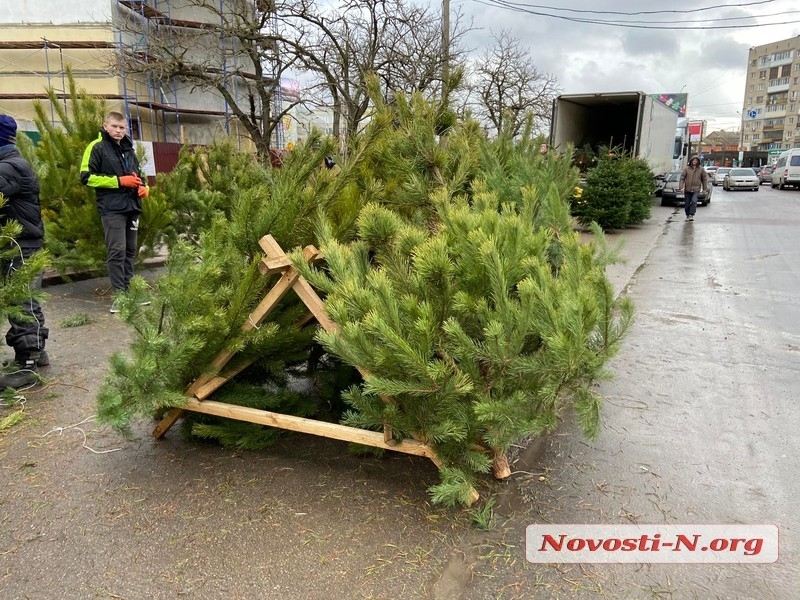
61, 430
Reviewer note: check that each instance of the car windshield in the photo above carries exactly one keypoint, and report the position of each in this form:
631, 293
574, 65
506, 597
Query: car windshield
723, 170
741, 172
674, 176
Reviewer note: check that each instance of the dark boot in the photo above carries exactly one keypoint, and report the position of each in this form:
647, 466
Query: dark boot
20, 374
42, 361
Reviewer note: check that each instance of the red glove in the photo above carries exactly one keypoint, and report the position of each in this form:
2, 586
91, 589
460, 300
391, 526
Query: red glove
143, 191
131, 181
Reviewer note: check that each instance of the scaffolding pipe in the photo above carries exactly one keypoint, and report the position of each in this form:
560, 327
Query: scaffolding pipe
47, 67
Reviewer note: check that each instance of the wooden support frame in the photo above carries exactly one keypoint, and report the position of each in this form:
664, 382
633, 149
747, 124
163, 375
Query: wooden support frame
276, 261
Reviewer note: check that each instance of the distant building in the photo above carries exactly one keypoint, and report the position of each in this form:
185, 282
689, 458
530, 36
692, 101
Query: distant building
40, 39
771, 106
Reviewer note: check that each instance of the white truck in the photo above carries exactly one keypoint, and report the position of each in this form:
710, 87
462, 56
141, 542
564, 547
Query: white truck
633, 121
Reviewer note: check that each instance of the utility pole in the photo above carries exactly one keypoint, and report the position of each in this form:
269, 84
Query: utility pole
445, 46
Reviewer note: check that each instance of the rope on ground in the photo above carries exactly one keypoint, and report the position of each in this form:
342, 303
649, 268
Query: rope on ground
61, 430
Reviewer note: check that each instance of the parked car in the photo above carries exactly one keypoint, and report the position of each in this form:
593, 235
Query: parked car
671, 196
710, 170
719, 175
765, 174
741, 179
787, 169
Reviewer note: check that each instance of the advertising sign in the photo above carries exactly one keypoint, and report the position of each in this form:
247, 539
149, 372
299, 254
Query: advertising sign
695, 131
676, 102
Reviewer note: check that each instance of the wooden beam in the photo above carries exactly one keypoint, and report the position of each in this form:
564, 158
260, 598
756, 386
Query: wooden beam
167, 422
310, 426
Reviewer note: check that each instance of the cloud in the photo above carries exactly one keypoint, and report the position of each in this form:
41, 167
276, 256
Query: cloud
725, 53
638, 42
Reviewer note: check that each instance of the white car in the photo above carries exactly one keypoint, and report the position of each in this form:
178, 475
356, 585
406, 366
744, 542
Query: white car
741, 179
719, 175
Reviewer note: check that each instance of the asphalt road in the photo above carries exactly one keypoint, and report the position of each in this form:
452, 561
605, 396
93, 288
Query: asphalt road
701, 421
700, 426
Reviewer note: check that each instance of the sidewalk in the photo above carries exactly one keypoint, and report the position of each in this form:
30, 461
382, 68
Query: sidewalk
87, 513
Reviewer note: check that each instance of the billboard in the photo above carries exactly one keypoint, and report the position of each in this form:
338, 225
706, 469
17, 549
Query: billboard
695, 130
676, 102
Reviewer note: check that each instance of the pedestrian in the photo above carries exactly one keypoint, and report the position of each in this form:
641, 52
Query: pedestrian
694, 179
20, 187
110, 166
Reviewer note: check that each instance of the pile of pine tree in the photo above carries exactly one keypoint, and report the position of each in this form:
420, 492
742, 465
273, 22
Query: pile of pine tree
451, 267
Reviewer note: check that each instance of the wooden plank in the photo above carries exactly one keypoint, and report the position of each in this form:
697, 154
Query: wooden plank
314, 303
310, 426
213, 384
268, 266
271, 300
278, 264
168, 421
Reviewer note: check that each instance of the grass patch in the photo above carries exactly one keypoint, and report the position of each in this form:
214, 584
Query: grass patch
11, 420
481, 517
77, 320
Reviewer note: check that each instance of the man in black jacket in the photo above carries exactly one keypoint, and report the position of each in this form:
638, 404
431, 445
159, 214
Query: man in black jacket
110, 166
20, 187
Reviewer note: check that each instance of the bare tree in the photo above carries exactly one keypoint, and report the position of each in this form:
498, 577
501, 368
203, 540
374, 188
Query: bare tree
225, 46
506, 87
397, 40
242, 48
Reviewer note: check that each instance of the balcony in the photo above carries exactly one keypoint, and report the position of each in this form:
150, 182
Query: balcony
771, 136
779, 85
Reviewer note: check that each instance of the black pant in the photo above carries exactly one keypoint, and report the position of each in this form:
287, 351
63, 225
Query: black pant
121, 245
26, 337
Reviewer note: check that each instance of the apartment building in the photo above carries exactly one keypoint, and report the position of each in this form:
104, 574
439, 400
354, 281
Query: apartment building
40, 40
771, 107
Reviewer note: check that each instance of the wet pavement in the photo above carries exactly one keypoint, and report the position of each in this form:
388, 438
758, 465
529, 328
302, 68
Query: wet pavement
698, 427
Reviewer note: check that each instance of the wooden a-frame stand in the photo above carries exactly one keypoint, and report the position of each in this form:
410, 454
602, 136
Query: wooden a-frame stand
276, 261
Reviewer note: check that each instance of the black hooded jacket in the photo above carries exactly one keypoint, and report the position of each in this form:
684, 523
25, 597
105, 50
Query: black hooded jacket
104, 162
19, 185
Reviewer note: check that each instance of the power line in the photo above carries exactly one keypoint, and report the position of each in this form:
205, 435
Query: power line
628, 24
641, 12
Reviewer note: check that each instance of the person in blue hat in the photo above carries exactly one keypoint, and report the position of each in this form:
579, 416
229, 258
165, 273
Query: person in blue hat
20, 187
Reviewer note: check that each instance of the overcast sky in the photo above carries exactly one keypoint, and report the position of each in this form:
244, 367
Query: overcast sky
708, 64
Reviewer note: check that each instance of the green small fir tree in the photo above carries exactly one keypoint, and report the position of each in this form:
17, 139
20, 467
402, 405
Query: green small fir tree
16, 286
74, 232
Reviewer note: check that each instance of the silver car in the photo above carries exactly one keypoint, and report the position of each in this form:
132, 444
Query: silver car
741, 179
719, 175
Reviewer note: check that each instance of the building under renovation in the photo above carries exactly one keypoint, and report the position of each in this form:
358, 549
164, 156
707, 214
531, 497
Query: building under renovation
40, 40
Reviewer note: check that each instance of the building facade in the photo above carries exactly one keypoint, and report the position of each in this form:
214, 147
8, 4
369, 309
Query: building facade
40, 40
771, 107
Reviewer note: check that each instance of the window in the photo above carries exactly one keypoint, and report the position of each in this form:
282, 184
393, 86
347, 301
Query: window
786, 70
746, 137
756, 137
762, 74
797, 65
760, 87
759, 100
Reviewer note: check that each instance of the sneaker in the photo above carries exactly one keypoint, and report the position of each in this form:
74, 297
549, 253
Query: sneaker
115, 307
688, 218
145, 303
23, 375
691, 218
